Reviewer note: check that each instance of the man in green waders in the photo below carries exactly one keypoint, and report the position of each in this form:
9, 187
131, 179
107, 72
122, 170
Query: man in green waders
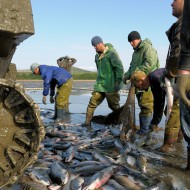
109, 78
144, 58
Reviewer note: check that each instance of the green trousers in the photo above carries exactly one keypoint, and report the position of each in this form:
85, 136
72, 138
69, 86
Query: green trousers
172, 127
145, 102
97, 98
63, 93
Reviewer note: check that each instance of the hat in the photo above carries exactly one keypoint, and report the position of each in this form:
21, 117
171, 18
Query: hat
34, 66
134, 35
96, 40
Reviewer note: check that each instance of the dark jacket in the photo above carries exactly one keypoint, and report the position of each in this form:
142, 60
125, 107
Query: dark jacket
184, 63
158, 94
174, 50
53, 76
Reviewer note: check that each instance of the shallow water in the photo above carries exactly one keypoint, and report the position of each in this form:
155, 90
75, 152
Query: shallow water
172, 172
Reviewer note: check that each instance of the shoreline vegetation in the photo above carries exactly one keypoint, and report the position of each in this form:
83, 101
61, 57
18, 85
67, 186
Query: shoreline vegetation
78, 74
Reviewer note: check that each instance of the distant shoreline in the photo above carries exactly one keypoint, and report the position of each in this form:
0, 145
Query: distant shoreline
42, 80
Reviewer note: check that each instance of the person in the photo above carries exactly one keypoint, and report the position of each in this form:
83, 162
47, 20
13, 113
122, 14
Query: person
143, 81
66, 62
55, 76
172, 129
109, 78
144, 58
183, 78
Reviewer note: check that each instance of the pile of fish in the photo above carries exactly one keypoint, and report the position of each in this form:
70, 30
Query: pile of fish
72, 157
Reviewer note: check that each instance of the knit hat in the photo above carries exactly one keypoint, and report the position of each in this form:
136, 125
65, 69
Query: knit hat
34, 66
96, 40
134, 35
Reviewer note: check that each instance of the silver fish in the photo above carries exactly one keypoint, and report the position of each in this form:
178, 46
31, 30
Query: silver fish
100, 178
77, 183
142, 163
58, 174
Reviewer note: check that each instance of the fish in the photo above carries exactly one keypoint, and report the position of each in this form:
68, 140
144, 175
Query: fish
100, 178
40, 176
89, 169
127, 116
101, 158
126, 182
115, 184
58, 173
77, 183
69, 154
107, 187
67, 185
169, 97
142, 163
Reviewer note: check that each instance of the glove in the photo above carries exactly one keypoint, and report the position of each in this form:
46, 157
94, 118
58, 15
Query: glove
44, 100
183, 87
154, 128
125, 78
117, 86
51, 99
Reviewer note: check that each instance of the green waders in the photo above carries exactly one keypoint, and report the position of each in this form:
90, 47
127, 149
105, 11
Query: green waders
97, 98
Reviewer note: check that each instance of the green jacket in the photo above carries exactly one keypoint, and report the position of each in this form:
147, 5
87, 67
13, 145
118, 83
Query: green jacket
144, 58
110, 70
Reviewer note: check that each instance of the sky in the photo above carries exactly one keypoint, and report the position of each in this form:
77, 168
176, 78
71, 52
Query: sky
65, 27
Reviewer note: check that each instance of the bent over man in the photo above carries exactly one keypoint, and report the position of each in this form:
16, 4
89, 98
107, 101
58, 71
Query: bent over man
55, 76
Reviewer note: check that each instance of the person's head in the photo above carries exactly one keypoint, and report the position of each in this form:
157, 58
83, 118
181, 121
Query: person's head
35, 68
140, 80
134, 39
98, 44
177, 8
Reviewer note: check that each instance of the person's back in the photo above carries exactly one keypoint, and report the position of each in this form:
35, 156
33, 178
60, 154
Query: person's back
66, 62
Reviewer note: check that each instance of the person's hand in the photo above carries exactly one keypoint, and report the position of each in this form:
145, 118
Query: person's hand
183, 87
125, 78
117, 86
44, 100
52, 100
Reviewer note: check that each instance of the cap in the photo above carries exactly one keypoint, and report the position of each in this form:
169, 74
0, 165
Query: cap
134, 35
96, 40
34, 66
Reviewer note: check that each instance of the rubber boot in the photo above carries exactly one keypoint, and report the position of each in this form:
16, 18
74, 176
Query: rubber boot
55, 114
180, 136
188, 159
141, 136
169, 144
88, 119
60, 116
144, 124
89, 115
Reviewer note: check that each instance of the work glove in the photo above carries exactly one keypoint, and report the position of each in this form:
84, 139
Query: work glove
117, 86
44, 100
52, 100
125, 78
183, 87
154, 128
